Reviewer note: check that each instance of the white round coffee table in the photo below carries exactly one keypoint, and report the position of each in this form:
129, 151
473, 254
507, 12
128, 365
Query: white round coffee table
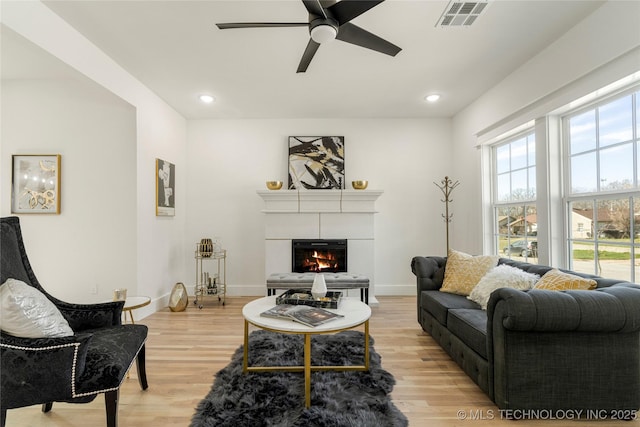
355, 314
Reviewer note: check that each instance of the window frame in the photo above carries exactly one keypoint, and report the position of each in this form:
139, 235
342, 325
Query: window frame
595, 198
521, 204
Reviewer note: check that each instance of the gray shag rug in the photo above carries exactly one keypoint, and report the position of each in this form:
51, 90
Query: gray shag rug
353, 399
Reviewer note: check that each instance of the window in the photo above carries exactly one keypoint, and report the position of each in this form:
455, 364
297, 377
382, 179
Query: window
514, 209
515, 166
603, 191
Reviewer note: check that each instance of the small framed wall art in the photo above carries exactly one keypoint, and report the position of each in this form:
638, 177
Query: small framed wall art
316, 162
165, 188
35, 183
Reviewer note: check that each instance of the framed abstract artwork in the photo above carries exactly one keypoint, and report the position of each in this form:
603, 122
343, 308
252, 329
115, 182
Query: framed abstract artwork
165, 188
316, 162
35, 183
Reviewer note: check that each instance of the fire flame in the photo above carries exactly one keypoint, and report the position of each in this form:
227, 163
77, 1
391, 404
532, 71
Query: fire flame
320, 261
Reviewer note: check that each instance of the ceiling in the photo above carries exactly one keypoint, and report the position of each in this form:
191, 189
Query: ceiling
175, 49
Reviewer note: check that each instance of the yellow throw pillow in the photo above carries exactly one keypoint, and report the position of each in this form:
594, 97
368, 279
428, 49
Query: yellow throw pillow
464, 271
556, 280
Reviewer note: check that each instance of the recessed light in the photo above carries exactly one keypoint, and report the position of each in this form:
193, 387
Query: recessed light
432, 98
207, 99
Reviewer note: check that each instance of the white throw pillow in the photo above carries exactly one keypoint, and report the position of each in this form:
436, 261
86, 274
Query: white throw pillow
26, 312
502, 276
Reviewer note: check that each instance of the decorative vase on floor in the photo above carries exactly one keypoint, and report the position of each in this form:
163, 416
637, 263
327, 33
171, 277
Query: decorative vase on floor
319, 288
178, 300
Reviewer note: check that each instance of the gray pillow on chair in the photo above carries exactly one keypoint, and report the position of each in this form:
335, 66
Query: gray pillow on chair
26, 312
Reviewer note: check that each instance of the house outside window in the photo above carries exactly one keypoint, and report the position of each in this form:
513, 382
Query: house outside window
514, 196
603, 186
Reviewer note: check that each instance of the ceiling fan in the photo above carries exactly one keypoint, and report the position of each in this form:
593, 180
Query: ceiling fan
329, 20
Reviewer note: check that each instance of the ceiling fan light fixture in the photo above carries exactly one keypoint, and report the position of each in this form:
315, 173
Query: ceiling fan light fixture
323, 33
329, 20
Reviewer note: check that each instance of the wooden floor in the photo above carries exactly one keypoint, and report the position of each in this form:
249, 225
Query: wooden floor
186, 349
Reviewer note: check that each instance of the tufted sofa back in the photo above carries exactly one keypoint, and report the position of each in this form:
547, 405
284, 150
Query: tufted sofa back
540, 270
436, 266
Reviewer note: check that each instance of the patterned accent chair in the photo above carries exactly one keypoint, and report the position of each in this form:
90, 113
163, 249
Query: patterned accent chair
75, 369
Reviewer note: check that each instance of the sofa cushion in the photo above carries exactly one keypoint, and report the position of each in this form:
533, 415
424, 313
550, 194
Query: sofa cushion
464, 271
502, 276
556, 280
26, 312
438, 304
470, 325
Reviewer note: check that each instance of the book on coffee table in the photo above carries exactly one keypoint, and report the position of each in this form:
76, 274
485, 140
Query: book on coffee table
309, 316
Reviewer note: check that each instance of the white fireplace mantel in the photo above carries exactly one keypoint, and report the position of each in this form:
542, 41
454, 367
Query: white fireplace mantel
324, 214
337, 201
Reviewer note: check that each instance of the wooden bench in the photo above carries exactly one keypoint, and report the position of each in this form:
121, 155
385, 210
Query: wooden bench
305, 281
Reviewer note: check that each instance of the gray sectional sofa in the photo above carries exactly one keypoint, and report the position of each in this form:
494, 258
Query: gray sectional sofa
540, 350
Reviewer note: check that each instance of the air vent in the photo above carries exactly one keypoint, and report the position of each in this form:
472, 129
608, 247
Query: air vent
461, 14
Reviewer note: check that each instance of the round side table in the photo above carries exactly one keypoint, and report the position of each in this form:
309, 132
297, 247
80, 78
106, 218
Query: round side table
132, 303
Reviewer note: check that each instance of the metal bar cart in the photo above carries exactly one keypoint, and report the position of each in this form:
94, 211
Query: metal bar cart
210, 283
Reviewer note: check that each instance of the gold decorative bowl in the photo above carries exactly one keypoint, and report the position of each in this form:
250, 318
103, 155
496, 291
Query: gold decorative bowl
274, 185
359, 185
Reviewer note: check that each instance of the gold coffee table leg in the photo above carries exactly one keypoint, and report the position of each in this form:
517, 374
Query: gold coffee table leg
307, 370
366, 345
245, 360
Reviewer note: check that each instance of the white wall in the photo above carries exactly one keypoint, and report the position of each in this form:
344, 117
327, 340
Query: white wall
160, 132
89, 243
161, 240
601, 49
230, 159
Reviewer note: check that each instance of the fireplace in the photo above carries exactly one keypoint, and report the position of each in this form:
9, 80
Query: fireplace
319, 255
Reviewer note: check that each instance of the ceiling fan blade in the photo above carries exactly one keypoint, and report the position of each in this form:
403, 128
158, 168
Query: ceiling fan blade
307, 56
261, 25
346, 10
353, 34
315, 8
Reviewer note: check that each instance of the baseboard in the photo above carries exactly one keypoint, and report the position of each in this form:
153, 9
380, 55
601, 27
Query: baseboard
162, 302
386, 290
395, 290
156, 304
